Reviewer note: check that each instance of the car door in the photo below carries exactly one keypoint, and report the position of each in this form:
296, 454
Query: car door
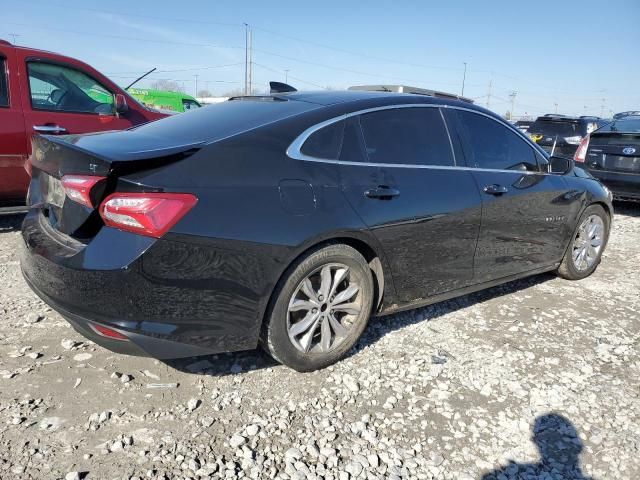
398, 171
525, 210
63, 99
14, 179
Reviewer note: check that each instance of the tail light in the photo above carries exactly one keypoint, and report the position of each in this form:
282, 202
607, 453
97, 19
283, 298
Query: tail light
107, 332
581, 152
78, 188
150, 214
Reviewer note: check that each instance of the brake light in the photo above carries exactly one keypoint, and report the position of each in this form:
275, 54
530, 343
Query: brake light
150, 214
78, 188
107, 332
581, 152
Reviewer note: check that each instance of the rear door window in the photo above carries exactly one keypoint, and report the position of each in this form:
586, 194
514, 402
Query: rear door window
4, 88
490, 145
189, 104
413, 136
59, 88
325, 142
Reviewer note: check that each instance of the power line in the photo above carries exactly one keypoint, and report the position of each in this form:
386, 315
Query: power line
191, 69
279, 72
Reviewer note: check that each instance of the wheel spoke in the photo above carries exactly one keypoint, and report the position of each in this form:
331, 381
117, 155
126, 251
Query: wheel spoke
297, 305
346, 294
350, 308
338, 277
325, 335
596, 242
304, 324
325, 283
338, 329
305, 341
307, 289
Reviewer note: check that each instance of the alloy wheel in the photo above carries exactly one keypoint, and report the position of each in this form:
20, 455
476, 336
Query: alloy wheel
323, 309
588, 243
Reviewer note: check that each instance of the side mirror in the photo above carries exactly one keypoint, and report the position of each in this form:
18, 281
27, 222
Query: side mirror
560, 165
120, 103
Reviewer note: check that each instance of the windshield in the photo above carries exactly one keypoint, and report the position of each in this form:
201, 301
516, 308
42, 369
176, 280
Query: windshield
561, 128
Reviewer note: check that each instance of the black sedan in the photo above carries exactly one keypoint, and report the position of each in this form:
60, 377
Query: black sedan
612, 154
288, 220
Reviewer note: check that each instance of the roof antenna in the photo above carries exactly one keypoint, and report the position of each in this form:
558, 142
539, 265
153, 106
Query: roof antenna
279, 87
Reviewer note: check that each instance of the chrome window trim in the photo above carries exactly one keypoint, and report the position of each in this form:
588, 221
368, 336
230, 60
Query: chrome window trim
294, 150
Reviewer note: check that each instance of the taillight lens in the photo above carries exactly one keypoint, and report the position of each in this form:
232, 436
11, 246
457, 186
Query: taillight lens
150, 214
107, 332
78, 188
581, 152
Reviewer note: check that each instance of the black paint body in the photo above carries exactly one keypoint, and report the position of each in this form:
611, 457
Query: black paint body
205, 286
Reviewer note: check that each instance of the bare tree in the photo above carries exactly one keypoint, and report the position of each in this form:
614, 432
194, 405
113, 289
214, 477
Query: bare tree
167, 85
204, 93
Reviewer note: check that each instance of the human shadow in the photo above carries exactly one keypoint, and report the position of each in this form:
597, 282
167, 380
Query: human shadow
559, 447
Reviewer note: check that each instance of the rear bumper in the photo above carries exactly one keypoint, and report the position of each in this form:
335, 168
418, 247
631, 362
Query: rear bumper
624, 186
170, 299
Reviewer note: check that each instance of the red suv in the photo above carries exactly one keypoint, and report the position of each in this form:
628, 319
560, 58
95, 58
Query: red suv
46, 93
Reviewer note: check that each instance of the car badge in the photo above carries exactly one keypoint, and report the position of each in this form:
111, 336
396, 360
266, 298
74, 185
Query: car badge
628, 150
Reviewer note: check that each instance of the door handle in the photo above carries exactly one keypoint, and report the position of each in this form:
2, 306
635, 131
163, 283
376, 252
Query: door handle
495, 189
49, 129
382, 192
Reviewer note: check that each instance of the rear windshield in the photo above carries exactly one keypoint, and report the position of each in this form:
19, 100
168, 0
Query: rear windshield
557, 127
221, 120
627, 125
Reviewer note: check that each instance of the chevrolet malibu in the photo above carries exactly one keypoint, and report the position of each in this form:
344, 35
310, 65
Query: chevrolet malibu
288, 220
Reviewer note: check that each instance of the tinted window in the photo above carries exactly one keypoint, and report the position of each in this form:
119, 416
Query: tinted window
222, 120
629, 124
54, 87
414, 136
551, 128
190, 104
324, 143
352, 147
492, 145
4, 90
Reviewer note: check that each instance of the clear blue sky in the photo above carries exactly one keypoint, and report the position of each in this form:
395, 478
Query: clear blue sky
573, 53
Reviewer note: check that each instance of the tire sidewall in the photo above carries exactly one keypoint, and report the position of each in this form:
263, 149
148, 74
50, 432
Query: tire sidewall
277, 338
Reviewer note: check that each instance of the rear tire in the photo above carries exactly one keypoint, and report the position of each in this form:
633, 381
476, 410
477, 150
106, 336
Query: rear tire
320, 309
587, 244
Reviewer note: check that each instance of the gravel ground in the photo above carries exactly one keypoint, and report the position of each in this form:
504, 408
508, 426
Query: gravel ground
539, 379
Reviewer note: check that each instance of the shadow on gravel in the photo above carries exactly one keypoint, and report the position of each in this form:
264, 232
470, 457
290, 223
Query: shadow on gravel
379, 327
236, 362
10, 223
559, 446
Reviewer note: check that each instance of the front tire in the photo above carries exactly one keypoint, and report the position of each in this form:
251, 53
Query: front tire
320, 309
587, 244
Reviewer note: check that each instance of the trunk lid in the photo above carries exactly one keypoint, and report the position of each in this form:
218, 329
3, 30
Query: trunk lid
616, 152
101, 155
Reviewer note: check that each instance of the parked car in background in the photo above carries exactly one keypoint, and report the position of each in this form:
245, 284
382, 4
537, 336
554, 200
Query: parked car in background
164, 100
523, 125
612, 154
44, 92
286, 220
562, 134
620, 115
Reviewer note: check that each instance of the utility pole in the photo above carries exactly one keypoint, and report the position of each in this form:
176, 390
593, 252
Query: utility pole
246, 59
602, 107
489, 93
286, 76
196, 85
512, 96
250, 60
14, 36
464, 77
556, 105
